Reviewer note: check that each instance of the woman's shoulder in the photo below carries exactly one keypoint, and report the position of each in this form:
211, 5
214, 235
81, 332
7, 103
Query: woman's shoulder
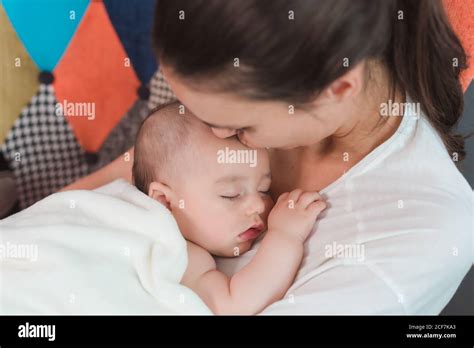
413, 186
413, 163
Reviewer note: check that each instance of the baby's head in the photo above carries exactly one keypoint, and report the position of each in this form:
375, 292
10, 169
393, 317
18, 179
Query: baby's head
216, 189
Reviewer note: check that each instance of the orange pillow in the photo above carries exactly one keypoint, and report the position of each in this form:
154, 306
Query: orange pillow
460, 14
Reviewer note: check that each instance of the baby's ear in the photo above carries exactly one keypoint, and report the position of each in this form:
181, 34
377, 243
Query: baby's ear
161, 193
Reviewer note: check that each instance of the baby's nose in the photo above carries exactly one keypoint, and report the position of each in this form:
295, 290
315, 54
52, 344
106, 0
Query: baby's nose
256, 205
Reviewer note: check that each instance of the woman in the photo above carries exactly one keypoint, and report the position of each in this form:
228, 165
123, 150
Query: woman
355, 99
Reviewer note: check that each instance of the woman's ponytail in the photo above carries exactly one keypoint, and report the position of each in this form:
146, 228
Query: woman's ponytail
426, 58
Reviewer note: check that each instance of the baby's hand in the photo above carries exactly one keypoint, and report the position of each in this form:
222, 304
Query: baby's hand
295, 213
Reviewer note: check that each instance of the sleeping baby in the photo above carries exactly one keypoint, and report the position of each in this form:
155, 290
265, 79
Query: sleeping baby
218, 192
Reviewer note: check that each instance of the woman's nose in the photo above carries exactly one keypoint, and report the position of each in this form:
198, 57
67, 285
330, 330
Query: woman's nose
224, 132
255, 205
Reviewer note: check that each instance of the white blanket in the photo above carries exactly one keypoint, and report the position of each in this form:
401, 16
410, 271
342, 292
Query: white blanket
109, 251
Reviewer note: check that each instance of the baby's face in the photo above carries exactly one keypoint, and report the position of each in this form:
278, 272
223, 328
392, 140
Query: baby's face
223, 206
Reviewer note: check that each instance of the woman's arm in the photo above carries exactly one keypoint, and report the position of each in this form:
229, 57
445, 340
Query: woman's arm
119, 168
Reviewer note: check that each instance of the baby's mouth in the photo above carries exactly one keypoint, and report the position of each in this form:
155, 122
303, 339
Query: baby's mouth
252, 232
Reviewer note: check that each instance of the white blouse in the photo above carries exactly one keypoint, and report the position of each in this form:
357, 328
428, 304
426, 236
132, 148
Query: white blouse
397, 237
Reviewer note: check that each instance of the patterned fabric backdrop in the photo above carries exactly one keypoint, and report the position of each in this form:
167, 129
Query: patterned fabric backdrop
78, 77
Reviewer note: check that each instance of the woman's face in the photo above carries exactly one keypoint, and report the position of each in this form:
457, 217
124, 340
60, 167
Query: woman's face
259, 124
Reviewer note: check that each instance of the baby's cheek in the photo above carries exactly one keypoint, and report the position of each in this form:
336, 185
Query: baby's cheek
215, 235
268, 207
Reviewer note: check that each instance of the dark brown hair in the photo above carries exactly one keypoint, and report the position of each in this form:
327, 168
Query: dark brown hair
293, 60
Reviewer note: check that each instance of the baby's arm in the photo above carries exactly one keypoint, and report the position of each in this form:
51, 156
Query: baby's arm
267, 277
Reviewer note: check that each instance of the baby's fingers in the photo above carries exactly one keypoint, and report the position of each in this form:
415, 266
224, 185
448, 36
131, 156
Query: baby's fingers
283, 197
316, 207
307, 198
294, 196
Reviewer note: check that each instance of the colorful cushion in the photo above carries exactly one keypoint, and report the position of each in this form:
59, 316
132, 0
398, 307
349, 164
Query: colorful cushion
96, 70
42, 150
19, 76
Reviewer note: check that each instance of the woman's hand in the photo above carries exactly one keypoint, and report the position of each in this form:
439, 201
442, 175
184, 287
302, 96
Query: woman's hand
295, 213
121, 167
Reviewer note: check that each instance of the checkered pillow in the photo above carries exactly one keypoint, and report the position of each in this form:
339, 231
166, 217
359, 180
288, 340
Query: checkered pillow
42, 150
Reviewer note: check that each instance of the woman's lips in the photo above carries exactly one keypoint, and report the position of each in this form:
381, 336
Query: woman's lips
251, 233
